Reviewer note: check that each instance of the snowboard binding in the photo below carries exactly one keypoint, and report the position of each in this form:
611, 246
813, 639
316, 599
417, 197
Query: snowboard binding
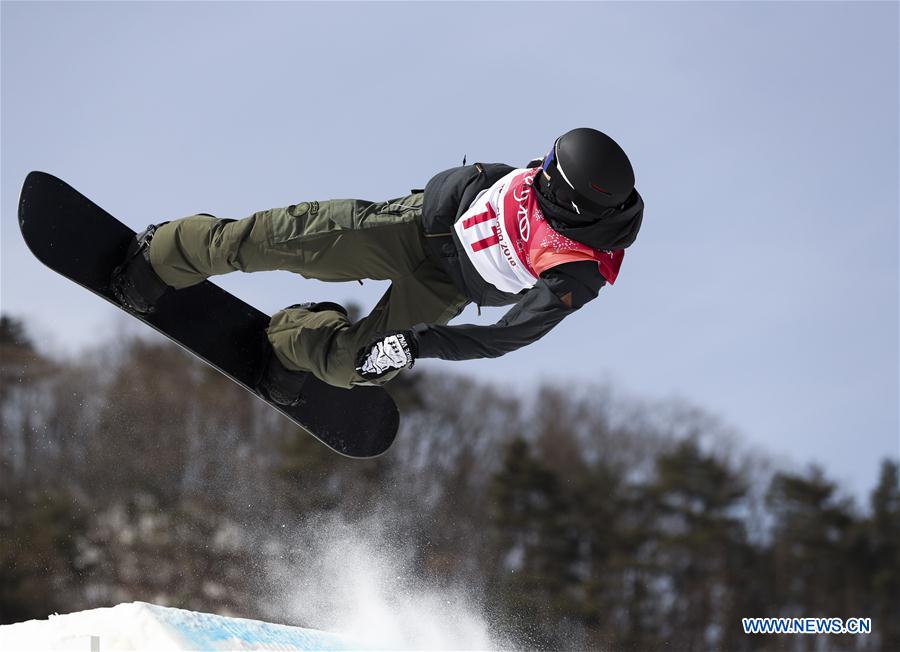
134, 283
279, 384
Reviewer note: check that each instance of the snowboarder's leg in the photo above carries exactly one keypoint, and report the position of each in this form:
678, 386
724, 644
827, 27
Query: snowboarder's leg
326, 342
337, 240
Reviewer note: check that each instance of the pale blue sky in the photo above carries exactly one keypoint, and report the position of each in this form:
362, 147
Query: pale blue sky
763, 286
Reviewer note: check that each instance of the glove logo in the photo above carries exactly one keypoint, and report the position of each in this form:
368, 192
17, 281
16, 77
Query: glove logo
389, 353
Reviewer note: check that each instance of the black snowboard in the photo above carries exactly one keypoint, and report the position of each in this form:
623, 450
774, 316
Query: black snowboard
78, 239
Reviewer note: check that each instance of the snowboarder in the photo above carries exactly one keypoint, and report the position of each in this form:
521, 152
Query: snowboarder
545, 237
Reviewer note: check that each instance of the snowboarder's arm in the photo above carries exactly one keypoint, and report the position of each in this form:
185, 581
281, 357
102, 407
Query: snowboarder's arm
559, 292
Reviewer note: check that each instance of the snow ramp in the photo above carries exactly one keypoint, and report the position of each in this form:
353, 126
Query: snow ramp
142, 626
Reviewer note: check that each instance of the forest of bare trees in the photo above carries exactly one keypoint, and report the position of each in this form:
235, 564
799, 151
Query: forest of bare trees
576, 520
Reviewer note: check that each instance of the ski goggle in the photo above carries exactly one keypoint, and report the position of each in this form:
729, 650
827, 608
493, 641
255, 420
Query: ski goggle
563, 194
549, 159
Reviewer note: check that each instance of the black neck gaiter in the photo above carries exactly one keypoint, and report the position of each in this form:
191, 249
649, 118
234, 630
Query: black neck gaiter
602, 228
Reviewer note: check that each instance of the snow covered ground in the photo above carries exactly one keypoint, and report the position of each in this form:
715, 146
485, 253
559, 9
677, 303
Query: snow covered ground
349, 580
142, 626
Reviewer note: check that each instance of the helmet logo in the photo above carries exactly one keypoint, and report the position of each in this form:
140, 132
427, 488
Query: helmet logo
599, 189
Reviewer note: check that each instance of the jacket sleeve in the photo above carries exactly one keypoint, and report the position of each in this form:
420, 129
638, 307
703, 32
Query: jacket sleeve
559, 292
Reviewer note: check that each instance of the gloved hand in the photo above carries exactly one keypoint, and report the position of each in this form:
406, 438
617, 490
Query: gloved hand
388, 353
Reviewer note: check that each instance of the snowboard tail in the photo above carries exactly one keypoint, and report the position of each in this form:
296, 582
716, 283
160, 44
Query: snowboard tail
79, 240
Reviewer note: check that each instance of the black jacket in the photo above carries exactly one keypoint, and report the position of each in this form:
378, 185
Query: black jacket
560, 291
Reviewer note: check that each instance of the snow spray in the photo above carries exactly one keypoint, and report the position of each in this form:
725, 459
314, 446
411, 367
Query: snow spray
347, 579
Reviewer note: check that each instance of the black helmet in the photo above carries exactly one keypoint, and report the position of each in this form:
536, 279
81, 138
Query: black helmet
589, 173
586, 191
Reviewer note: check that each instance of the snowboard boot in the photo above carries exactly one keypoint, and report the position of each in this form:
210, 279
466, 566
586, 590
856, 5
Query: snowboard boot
134, 283
279, 384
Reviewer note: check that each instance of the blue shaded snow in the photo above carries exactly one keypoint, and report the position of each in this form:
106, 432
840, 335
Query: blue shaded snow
200, 631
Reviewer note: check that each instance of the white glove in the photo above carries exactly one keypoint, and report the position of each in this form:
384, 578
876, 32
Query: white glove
388, 353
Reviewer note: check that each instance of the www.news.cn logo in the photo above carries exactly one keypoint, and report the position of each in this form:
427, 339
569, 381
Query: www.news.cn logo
807, 625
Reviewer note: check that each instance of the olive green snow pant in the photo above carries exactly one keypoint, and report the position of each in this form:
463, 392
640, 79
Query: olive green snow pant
338, 240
